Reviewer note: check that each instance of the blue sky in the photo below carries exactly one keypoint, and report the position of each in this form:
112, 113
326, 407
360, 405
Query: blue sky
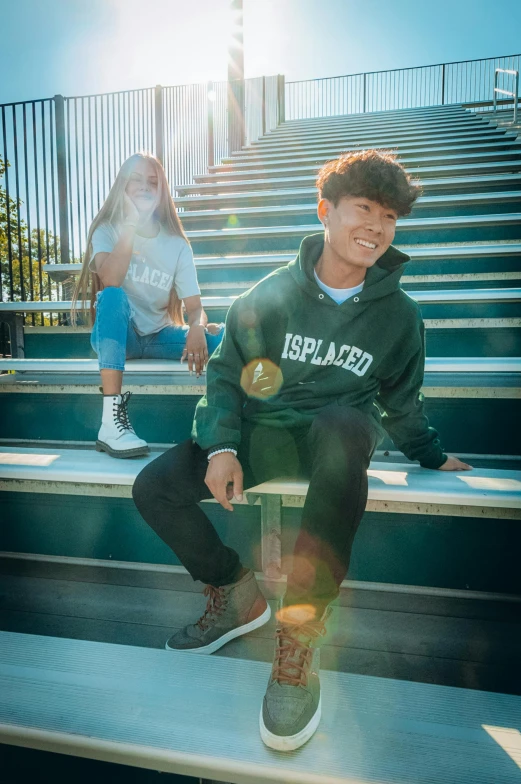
76, 47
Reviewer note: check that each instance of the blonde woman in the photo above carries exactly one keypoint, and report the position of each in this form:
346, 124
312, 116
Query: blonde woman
140, 270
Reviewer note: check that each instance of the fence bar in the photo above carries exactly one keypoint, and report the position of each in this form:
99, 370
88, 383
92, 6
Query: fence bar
158, 104
61, 165
210, 98
263, 106
281, 99
8, 209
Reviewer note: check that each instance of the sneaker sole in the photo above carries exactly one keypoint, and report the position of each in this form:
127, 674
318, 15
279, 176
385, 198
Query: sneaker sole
231, 635
140, 451
291, 742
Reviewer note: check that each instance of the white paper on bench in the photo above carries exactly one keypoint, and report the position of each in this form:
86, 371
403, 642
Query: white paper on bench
203, 712
387, 482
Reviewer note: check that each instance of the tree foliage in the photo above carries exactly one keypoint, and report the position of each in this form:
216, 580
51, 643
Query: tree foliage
23, 253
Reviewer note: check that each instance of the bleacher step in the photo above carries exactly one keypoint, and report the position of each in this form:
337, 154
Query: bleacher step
424, 253
498, 491
199, 716
295, 194
416, 159
379, 142
443, 170
432, 365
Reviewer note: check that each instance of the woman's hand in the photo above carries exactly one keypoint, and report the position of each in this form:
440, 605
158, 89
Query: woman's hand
130, 212
453, 464
196, 349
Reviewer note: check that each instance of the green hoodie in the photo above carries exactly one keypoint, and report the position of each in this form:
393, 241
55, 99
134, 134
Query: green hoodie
289, 350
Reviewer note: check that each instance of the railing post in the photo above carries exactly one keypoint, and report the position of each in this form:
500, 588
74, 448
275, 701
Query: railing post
236, 85
281, 99
364, 93
236, 125
443, 84
210, 97
263, 105
158, 105
516, 98
61, 166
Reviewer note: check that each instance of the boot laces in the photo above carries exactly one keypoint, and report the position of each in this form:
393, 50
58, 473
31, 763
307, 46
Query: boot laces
215, 606
120, 411
294, 651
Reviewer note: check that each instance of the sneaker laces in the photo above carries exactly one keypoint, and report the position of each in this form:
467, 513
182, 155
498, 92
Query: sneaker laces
215, 606
294, 652
120, 411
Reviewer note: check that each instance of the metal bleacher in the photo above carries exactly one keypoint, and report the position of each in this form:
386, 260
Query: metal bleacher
421, 667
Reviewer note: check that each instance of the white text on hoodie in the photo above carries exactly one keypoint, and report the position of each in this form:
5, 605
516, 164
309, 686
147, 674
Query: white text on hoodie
304, 349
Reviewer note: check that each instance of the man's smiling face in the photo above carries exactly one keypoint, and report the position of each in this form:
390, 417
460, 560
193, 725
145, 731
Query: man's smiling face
358, 230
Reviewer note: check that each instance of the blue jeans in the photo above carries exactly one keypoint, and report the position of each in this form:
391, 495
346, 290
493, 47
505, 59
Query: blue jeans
114, 338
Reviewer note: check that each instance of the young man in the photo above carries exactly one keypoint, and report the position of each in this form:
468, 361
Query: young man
341, 353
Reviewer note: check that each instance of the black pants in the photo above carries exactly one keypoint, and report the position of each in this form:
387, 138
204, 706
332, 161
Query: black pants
333, 453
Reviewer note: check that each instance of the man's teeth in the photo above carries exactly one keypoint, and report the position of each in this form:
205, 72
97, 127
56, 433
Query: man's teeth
366, 244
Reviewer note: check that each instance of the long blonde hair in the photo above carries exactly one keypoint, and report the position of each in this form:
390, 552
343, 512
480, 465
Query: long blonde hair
89, 284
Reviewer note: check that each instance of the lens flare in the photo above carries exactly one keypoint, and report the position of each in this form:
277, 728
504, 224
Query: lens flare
296, 613
261, 379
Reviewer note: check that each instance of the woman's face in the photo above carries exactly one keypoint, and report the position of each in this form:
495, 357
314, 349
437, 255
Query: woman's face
142, 186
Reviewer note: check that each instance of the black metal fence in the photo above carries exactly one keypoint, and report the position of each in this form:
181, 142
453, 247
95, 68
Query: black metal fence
468, 82
29, 199
59, 156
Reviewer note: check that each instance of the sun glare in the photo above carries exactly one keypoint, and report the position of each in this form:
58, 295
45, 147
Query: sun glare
14, 458
173, 43
509, 738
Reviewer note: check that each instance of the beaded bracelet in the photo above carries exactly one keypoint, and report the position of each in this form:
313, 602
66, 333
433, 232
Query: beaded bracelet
221, 451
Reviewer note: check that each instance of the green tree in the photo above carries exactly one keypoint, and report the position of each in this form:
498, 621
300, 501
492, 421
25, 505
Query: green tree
23, 258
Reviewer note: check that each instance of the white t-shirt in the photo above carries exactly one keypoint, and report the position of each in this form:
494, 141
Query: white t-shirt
339, 295
157, 264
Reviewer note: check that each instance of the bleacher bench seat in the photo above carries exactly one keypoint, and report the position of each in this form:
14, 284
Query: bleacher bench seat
404, 488
199, 716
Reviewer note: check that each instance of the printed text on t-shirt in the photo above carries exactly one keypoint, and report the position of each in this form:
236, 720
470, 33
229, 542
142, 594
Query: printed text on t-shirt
141, 273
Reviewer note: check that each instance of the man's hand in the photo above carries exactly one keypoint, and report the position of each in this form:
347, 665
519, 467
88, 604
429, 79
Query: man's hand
453, 464
224, 479
196, 350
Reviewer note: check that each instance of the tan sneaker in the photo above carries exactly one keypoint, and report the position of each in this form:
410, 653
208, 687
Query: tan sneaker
232, 610
291, 709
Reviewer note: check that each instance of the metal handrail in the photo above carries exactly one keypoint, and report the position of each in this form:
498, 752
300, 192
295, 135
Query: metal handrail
514, 95
410, 68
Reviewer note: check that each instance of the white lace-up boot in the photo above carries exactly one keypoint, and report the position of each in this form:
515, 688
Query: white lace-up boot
116, 435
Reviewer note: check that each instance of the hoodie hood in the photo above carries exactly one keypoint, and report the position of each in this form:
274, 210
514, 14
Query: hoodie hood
382, 279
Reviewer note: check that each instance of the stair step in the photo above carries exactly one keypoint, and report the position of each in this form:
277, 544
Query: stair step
433, 365
279, 214
69, 696
487, 183
415, 163
454, 154
373, 137
460, 254
491, 488
443, 297
436, 172
385, 142
403, 153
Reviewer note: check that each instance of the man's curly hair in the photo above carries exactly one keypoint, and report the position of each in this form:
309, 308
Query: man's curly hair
370, 173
